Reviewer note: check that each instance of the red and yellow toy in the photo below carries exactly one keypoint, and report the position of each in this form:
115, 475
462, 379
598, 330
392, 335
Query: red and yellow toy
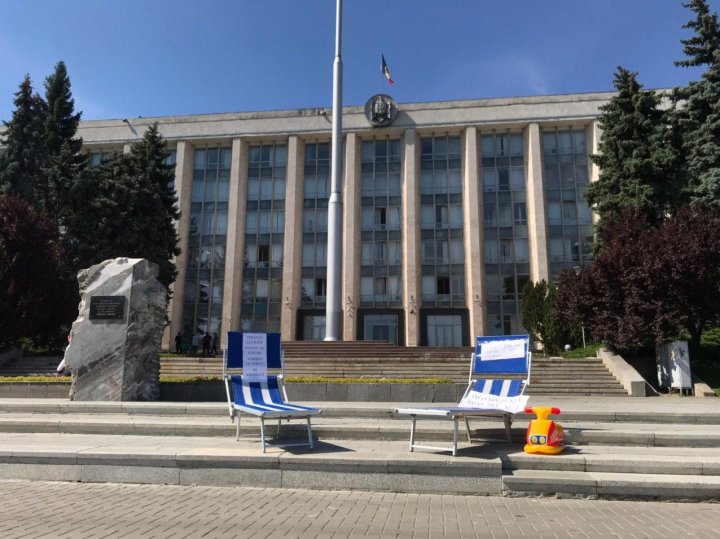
543, 434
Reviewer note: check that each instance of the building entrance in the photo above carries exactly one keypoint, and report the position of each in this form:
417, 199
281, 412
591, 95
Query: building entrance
381, 327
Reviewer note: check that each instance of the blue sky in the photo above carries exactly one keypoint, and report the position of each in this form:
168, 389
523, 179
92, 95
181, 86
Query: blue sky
166, 57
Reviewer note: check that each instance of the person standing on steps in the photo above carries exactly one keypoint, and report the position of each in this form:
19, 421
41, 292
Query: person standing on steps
178, 343
206, 344
214, 348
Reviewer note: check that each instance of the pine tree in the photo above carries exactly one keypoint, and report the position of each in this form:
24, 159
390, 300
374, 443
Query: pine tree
700, 48
64, 161
696, 115
124, 207
60, 174
24, 155
61, 121
150, 155
638, 167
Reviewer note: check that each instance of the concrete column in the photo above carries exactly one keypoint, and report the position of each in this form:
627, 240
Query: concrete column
474, 233
412, 296
351, 240
293, 239
235, 250
185, 157
593, 133
536, 212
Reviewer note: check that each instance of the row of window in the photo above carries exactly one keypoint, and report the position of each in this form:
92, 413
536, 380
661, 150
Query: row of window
441, 220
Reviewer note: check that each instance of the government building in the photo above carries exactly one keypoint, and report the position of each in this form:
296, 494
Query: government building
449, 208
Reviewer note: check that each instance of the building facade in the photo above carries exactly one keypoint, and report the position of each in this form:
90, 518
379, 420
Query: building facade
448, 211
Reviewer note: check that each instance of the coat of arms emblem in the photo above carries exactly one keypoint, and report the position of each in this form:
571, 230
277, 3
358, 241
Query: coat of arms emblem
380, 110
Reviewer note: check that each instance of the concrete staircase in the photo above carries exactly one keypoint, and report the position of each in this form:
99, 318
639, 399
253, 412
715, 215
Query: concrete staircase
654, 448
358, 359
576, 376
31, 366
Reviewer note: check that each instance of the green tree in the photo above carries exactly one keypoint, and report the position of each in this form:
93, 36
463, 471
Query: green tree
539, 316
638, 166
124, 207
43, 155
61, 120
701, 47
22, 161
696, 112
150, 156
35, 300
64, 161
647, 284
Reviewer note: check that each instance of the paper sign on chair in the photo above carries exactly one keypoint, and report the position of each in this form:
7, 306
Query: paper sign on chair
484, 401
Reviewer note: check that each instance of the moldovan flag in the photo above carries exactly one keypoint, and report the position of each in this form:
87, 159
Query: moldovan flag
386, 70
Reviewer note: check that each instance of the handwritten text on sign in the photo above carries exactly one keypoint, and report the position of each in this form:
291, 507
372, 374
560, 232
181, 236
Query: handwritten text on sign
254, 349
485, 401
505, 349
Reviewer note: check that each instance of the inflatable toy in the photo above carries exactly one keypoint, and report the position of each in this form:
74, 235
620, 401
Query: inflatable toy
543, 434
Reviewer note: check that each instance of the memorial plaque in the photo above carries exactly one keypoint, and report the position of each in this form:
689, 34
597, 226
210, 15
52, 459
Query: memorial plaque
107, 307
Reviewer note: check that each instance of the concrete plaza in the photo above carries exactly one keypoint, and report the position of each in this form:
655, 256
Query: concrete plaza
44, 509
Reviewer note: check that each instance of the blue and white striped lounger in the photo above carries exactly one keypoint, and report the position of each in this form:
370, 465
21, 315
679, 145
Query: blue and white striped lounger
261, 396
508, 358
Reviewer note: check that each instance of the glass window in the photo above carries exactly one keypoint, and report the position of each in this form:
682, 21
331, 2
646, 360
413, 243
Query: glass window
442, 215
567, 209
490, 214
381, 214
520, 213
444, 330
264, 236
505, 235
490, 180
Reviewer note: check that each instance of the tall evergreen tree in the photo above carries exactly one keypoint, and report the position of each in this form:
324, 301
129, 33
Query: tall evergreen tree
61, 121
64, 161
60, 174
24, 155
638, 166
124, 207
696, 117
150, 155
700, 48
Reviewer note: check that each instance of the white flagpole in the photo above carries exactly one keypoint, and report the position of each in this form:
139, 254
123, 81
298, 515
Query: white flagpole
333, 306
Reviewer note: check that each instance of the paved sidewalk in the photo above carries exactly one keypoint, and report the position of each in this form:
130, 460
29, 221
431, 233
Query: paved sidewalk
42, 509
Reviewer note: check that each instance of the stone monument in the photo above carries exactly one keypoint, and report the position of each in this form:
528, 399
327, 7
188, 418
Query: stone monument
114, 354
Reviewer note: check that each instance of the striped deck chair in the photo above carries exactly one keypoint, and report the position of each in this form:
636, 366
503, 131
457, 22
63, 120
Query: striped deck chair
248, 362
499, 374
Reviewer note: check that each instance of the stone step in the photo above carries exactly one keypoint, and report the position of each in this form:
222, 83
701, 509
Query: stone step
578, 435
666, 487
575, 382
618, 459
380, 360
579, 391
333, 464
575, 411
